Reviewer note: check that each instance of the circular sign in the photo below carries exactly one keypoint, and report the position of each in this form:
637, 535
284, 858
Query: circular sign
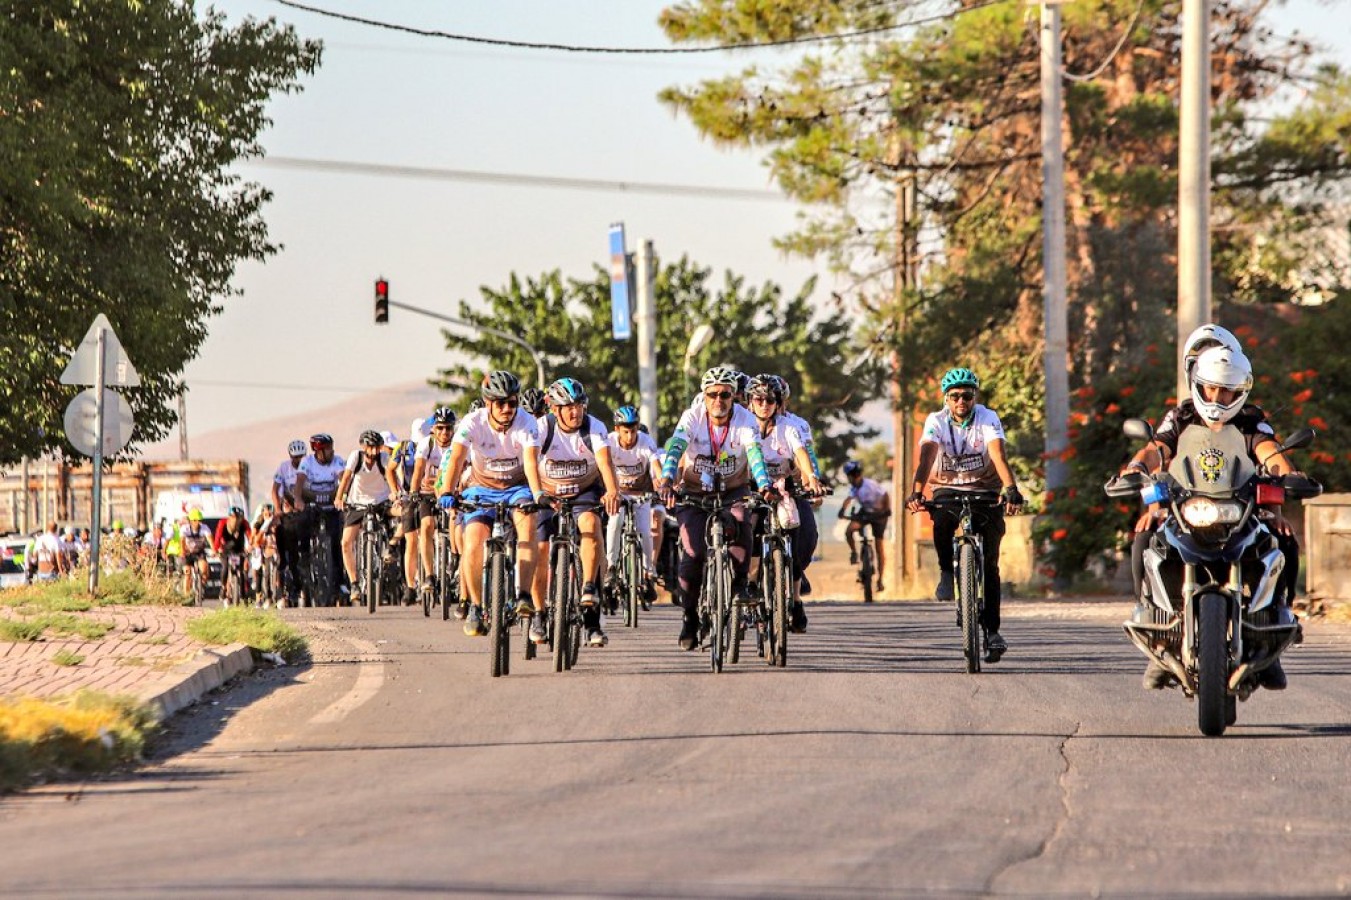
82, 414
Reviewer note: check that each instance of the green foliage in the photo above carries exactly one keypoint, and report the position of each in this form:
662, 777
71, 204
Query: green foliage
260, 629
61, 624
122, 121
90, 732
758, 329
67, 658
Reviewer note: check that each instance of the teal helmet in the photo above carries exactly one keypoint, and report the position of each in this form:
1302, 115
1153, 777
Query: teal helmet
959, 378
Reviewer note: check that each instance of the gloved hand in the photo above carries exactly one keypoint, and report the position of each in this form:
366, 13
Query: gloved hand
1012, 497
915, 502
446, 501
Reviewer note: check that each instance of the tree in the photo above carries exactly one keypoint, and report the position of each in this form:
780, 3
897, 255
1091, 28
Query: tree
120, 122
758, 330
954, 106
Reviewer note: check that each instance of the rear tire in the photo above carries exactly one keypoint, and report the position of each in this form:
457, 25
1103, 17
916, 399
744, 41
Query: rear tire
499, 637
1212, 677
631, 577
865, 570
967, 576
559, 588
782, 596
370, 573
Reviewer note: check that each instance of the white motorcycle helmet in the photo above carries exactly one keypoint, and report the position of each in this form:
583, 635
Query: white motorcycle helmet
1201, 340
1221, 367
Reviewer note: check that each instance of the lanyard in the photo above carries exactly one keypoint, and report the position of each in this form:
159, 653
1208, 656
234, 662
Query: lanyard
716, 445
952, 436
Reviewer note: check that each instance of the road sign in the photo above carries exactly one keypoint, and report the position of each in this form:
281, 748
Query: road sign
82, 413
620, 314
117, 368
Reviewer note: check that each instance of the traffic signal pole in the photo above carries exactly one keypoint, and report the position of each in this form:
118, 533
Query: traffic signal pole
440, 317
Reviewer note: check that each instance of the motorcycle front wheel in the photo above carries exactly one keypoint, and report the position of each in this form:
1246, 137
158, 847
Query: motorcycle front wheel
1212, 677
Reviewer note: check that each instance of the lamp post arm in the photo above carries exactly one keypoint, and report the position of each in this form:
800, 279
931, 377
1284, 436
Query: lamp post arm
506, 336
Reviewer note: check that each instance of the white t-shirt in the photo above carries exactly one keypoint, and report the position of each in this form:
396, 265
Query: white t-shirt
868, 494
779, 447
570, 464
368, 484
321, 479
285, 478
721, 450
633, 467
496, 458
964, 451
434, 454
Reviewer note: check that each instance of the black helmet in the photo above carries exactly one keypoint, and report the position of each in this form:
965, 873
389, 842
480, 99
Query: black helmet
743, 382
372, 438
532, 401
500, 385
443, 415
765, 386
476, 404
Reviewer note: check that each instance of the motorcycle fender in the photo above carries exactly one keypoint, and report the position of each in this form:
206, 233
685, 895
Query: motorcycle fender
1274, 564
1158, 594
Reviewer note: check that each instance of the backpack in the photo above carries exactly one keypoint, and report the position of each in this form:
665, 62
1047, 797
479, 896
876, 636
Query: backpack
551, 421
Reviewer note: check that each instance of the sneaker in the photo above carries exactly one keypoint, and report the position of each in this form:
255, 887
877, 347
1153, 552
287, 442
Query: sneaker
357, 599
409, 596
539, 628
797, 618
994, 647
524, 605
880, 586
461, 609
596, 638
588, 595
944, 593
853, 557
689, 634
1272, 677
804, 587
746, 595
1157, 676
649, 593
473, 623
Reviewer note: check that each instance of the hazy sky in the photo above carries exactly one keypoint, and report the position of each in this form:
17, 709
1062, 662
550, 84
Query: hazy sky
302, 335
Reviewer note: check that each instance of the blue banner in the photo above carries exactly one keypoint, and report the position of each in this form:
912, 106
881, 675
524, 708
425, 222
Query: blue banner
621, 314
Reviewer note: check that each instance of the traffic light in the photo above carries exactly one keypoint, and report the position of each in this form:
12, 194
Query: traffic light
381, 301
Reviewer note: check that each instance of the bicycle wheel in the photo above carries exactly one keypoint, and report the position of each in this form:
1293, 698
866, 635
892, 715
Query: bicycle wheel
319, 575
631, 575
370, 574
422, 587
781, 597
198, 587
235, 593
721, 594
865, 570
441, 564
969, 597
559, 589
499, 635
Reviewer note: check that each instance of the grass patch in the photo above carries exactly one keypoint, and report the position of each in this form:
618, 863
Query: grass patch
87, 733
260, 629
63, 624
66, 658
21, 630
135, 582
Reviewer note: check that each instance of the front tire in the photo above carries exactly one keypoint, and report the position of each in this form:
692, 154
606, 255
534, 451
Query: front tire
1212, 677
499, 636
559, 587
865, 570
967, 579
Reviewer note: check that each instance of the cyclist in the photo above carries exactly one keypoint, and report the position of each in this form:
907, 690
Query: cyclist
966, 440
316, 483
288, 526
500, 443
419, 517
575, 464
874, 511
785, 451
809, 534
720, 444
400, 477
534, 402
194, 539
263, 546
637, 460
232, 539
363, 484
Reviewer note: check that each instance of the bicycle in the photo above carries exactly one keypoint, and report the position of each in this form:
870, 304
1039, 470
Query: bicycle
771, 614
627, 582
197, 582
320, 574
867, 553
968, 554
499, 581
234, 579
371, 543
715, 601
445, 563
565, 585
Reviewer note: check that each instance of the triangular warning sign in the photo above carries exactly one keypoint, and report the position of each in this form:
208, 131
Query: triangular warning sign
117, 368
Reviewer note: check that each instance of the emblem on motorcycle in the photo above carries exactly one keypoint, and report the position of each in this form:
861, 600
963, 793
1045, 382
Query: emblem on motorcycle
1211, 463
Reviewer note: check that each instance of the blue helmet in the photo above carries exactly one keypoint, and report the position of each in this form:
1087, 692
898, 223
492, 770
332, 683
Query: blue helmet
626, 415
852, 468
566, 392
959, 378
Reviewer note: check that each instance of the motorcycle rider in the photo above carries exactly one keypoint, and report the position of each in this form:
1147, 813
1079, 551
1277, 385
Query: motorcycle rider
1221, 379
966, 440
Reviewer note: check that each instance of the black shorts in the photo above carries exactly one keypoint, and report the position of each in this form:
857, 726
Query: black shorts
355, 515
877, 521
417, 508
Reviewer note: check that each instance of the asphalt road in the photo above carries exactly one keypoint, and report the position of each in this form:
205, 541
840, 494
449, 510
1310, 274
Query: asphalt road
393, 765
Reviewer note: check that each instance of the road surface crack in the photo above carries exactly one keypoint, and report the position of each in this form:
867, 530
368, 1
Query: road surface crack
1066, 810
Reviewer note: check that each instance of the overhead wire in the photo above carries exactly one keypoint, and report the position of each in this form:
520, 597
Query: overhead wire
1070, 76
578, 48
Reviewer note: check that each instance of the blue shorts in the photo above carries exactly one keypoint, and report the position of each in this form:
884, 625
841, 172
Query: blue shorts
519, 494
546, 525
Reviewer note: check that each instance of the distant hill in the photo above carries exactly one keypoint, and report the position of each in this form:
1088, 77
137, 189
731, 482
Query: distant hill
263, 444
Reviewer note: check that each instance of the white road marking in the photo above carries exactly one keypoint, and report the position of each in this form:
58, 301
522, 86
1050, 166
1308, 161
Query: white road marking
370, 678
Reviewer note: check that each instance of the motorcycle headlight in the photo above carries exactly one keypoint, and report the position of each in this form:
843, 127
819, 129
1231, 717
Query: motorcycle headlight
1202, 512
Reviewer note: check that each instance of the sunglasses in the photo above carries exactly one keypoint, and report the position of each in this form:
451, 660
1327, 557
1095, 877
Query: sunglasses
440, 428
719, 395
510, 402
770, 400
968, 396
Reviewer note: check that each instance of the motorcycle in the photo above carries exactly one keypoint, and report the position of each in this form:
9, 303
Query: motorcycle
1213, 567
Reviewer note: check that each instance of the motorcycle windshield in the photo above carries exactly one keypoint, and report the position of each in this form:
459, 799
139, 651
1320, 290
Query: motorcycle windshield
1214, 463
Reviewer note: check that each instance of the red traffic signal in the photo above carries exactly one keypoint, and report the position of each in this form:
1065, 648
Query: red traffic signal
381, 301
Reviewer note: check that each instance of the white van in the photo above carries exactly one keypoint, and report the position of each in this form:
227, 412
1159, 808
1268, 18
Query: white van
214, 500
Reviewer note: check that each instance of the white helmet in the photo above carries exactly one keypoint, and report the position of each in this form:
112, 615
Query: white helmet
418, 430
297, 448
1201, 340
1223, 368
389, 438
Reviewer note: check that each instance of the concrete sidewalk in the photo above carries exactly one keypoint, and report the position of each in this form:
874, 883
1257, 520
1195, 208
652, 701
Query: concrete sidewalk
147, 654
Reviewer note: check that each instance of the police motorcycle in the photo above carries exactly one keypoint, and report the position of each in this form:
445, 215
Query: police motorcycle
1213, 567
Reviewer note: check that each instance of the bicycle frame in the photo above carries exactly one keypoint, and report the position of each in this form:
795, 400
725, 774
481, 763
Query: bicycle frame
715, 601
565, 586
968, 555
499, 579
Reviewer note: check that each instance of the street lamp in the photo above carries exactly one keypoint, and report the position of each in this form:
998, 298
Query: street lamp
698, 341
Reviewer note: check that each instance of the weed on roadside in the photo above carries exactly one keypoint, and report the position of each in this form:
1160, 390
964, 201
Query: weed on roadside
90, 732
260, 629
67, 658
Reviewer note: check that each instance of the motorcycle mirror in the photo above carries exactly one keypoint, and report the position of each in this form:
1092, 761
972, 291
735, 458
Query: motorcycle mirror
1301, 438
1138, 429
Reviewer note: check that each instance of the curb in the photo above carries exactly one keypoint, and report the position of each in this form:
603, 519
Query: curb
188, 682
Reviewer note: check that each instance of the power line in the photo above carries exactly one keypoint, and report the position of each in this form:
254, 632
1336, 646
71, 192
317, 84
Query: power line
1089, 76
322, 388
574, 48
342, 167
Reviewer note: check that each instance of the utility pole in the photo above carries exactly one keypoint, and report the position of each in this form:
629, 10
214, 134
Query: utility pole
646, 330
1193, 206
183, 424
1056, 351
904, 550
